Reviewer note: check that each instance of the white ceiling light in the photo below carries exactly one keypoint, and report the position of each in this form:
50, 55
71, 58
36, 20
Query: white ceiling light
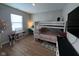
33, 4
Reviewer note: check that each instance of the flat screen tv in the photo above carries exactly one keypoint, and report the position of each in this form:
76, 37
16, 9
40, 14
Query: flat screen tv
73, 22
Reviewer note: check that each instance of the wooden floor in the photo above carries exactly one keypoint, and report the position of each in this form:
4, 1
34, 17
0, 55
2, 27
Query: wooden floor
27, 47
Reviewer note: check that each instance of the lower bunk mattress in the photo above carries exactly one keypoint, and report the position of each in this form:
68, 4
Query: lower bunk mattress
50, 38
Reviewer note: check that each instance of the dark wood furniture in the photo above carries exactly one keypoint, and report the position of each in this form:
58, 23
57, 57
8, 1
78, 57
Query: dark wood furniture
65, 48
12, 38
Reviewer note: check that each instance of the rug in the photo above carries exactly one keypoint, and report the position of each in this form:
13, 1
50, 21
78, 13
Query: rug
50, 46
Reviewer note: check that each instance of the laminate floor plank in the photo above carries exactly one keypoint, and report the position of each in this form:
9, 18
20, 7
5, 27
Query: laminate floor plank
27, 47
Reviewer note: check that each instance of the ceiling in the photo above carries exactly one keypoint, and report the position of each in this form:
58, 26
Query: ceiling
38, 8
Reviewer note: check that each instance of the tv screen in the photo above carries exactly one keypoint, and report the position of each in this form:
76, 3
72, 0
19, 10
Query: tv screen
73, 22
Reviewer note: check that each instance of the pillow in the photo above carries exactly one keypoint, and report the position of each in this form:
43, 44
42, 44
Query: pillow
43, 30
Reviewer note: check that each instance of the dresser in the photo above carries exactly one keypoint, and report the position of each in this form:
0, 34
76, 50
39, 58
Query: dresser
64, 48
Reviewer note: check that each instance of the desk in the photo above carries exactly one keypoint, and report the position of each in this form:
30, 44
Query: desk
15, 36
20, 34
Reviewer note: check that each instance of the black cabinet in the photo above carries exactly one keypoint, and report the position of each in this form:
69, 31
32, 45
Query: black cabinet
65, 48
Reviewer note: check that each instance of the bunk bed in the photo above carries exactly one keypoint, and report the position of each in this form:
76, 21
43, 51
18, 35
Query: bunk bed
48, 31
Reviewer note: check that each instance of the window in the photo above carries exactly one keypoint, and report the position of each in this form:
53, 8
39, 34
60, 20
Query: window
16, 21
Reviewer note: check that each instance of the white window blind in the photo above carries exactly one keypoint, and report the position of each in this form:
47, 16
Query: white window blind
16, 21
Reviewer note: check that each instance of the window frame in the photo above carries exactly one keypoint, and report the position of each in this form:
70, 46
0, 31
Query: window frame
21, 17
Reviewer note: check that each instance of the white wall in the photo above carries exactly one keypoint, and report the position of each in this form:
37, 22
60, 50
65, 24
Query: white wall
72, 39
47, 16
